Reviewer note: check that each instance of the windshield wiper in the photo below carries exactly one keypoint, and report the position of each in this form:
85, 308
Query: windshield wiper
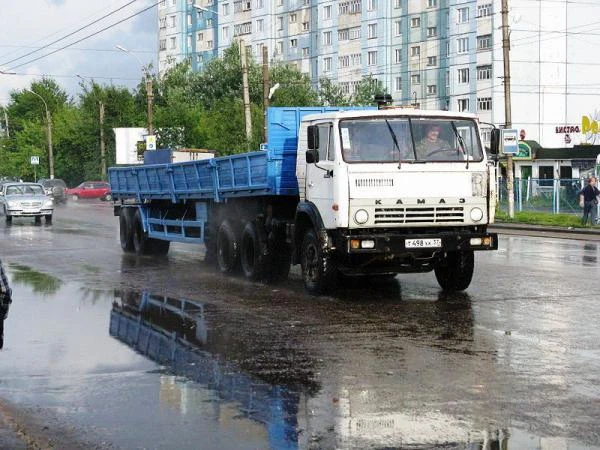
460, 142
395, 139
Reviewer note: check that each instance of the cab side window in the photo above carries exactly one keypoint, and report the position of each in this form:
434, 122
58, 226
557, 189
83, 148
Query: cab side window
326, 148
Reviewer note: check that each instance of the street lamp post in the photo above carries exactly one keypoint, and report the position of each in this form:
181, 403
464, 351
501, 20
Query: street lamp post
48, 133
101, 120
149, 92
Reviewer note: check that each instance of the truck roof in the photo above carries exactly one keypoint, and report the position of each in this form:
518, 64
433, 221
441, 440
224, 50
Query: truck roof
390, 112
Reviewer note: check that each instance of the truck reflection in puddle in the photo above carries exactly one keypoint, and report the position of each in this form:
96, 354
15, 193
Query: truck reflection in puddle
293, 410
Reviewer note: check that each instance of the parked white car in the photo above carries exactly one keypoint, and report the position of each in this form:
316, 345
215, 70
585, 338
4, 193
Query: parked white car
25, 200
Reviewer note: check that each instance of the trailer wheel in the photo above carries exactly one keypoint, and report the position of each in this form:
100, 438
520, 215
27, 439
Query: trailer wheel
126, 230
144, 245
227, 248
251, 257
319, 271
455, 270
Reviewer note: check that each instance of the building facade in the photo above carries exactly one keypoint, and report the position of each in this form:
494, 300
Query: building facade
436, 54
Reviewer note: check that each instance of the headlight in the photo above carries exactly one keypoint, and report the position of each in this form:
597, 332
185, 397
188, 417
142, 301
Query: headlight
478, 184
48, 203
13, 204
476, 214
361, 217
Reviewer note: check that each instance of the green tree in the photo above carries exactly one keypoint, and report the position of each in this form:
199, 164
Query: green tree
366, 90
330, 94
294, 87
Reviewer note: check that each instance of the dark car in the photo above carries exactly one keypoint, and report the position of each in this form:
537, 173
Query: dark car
55, 188
90, 189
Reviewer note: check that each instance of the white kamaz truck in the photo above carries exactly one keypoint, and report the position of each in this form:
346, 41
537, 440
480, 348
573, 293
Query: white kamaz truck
344, 193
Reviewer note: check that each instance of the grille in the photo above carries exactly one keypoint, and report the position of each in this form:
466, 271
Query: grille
429, 214
374, 182
31, 204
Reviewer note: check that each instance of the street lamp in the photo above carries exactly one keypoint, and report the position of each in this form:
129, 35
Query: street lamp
48, 133
149, 93
101, 120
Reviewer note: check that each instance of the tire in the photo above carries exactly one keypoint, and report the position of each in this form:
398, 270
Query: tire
251, 257
126, 230
455, 270
144, 245
8, 219
38, 219
48, 218
74, 197
319, 271
227, 248
108, 197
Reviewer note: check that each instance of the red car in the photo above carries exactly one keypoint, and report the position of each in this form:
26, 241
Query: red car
90, 189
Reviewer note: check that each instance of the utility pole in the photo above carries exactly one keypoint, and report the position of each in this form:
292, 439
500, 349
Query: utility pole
150, 101
102, 146
507, 106
6, 121
246, 92
48, 132
266, 87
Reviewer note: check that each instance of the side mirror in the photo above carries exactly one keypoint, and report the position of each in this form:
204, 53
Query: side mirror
312, 156
494, 141
312, 135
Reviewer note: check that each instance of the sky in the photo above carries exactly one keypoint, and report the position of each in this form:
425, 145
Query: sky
32, 25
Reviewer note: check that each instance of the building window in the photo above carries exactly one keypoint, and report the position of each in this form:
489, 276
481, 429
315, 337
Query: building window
415, 79
209, 44
173, 43
293, 18
260, 25
484, 10
397, 4
463, 75
484, 72
200, 37
172, 22
260, 4
431, 89
486, 135
305, 52
327, 64
327, 12
432, 3
225, 33
398, 84
432, 60
415, 22
431, 31
398, 55
242, 28
462, 45
327, 38
280, 23
484, 42
225, 9
162, 22
415, 51
162, 44
371, 5
344, 61
372, 30
189, 20
209, 23
349, 7
463, 15
372, 58
484, 104
398, 28
305, 26
463, 104
279, 48
293, 43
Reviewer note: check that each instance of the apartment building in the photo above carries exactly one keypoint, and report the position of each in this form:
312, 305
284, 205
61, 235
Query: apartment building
436, 54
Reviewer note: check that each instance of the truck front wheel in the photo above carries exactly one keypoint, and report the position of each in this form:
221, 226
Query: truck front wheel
227, 248
455, 271
319, 271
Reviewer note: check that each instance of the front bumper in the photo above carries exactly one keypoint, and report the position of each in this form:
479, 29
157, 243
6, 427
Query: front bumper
29, 212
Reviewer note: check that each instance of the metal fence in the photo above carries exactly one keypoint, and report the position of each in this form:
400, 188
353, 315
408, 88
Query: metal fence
543, 195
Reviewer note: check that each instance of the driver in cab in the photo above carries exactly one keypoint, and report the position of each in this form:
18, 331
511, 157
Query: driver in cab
432, 146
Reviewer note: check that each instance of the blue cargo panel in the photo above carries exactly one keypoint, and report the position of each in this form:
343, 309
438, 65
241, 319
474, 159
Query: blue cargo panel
271, 172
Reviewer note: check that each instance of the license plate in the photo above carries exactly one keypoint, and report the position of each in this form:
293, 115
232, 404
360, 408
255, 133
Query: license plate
423, 243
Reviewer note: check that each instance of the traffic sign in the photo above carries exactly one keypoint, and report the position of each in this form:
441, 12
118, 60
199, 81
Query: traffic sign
35, 160
151, 142
509, 142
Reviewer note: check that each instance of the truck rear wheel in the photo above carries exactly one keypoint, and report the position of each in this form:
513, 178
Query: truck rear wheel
251, 257
227, 248
126, 229
144, 245
455, 270
319, 271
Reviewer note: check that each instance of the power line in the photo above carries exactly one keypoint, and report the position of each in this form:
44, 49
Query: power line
85, 37
69, 34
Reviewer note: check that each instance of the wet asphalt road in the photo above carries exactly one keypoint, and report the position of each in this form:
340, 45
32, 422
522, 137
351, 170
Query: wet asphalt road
105, 350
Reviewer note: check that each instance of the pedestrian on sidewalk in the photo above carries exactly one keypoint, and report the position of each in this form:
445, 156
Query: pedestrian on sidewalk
588, 199
5, 301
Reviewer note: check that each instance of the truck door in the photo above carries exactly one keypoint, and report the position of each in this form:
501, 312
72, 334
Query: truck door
320, 176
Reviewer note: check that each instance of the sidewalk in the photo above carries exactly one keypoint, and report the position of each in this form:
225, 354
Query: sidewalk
544, 230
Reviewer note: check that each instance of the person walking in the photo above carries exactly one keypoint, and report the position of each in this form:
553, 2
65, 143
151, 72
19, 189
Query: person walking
5, 300
588, 199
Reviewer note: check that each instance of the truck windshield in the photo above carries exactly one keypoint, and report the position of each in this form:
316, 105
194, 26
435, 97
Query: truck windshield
426, 139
